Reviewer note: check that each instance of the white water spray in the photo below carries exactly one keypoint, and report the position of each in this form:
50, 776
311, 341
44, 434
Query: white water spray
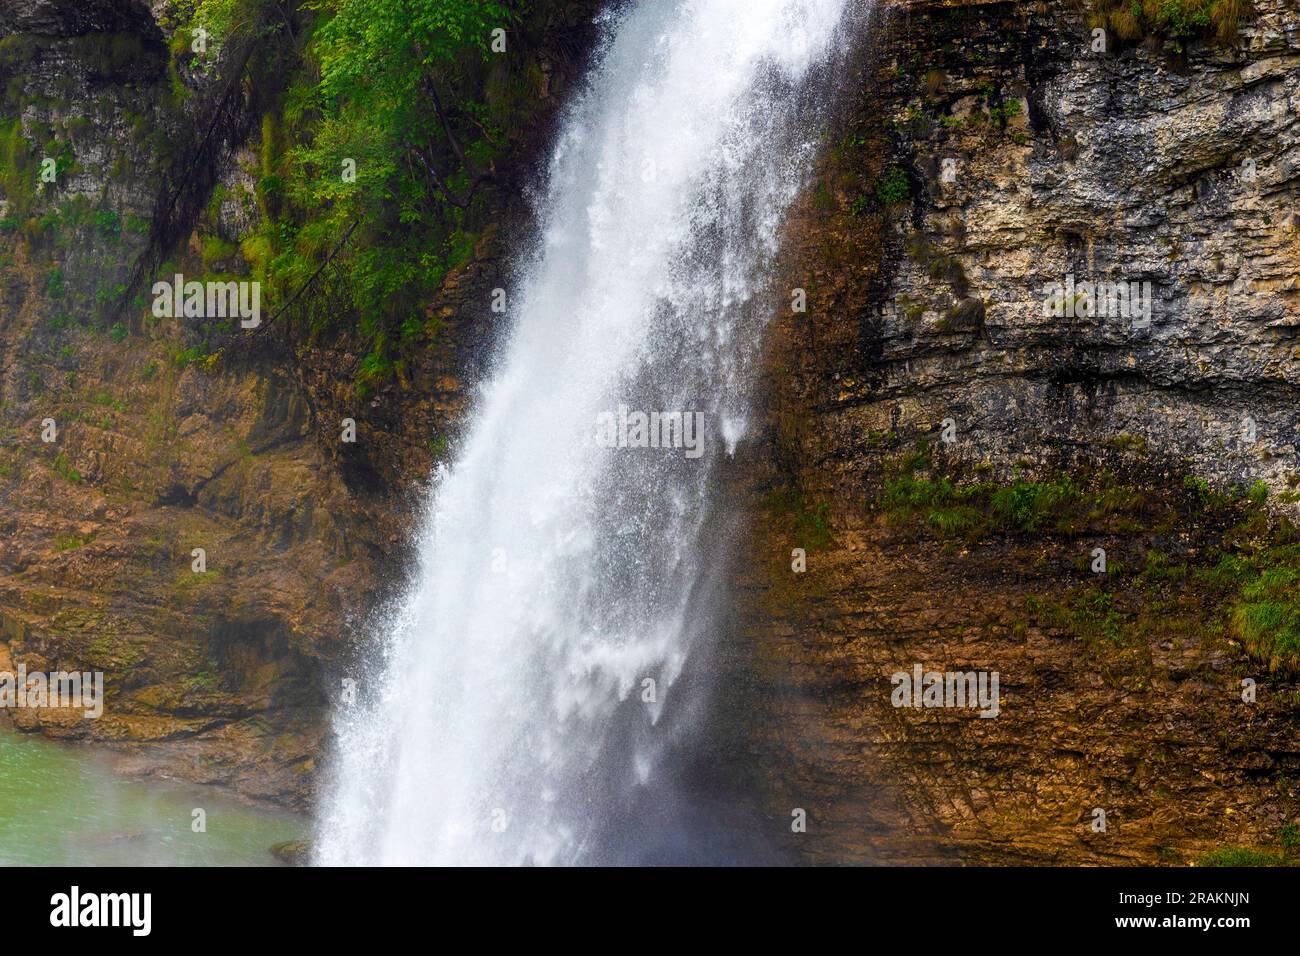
533, 669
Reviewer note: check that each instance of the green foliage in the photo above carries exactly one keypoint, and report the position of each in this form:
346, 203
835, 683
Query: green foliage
1173, 20
1206, 498
375, 367
193, 355
1239, 856
1005, 111
1267, 615
1026, 505
1090, 614
17, 166
203, 681
1059, 505
107, 223
1289, 836
216, 249
54, 285
118, 332
1258, 493
892, 187
64, 469
1159, 569
946, 508
386, 136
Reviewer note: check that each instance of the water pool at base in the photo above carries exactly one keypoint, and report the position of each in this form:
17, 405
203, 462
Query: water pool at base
65, 805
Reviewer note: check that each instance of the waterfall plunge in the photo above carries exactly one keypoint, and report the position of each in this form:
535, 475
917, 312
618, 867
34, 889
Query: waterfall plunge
557, 575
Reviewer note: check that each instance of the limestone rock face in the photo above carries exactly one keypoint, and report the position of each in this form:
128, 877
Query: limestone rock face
1032, 163
66, 18
1037, 165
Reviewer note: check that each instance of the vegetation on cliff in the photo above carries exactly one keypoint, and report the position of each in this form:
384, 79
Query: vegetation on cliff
1238, 579
1174, 20
376, 151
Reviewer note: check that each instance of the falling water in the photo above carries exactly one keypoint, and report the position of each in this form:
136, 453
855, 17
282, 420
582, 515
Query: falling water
530, 678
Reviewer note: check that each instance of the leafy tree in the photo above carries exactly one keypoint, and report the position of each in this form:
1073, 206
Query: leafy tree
375, 158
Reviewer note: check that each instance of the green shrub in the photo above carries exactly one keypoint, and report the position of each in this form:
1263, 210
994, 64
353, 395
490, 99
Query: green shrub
194, 354
892, 188
1022, 507
54, 286
1026, 505
1289, 836
107, 223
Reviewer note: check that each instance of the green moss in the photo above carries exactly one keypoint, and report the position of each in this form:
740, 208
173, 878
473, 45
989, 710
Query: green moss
1058, 505
217, 250
17, 51
1126, 442
810, 520
17, 168
1239, 856
64, 542
63, 468
203, 681
189, 580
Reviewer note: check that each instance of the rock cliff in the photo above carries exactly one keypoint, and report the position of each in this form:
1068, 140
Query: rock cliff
951, 450
171, 435
947, 438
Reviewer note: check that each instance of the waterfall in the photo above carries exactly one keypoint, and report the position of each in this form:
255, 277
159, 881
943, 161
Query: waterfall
530, 679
